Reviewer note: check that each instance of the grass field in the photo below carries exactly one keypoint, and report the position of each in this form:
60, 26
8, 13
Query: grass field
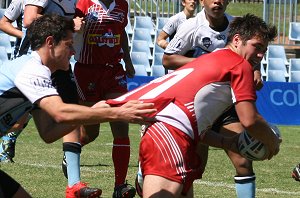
37, 167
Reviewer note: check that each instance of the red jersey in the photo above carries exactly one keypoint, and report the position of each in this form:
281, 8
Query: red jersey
100, 42
195, 95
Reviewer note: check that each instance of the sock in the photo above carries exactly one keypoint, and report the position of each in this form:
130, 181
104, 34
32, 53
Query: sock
8, 143
72, 152
245, 186
121, 156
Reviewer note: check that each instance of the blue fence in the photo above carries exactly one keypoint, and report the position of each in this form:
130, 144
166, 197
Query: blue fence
278, 102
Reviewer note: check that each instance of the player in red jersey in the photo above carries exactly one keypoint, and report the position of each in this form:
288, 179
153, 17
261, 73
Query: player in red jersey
100, 76
208, 86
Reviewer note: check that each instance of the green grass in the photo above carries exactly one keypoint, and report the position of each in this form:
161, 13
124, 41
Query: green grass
37, 167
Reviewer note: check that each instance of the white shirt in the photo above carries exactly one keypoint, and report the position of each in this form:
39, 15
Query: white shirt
196, 33
174, 22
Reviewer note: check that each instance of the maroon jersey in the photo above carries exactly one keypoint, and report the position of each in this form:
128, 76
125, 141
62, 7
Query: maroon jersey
100, 41
192, 97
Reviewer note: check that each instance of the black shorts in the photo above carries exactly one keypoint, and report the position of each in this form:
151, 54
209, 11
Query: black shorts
64, 82
8, 186
228, 117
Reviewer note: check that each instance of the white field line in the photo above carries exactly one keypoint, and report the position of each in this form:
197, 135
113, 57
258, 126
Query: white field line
82, 168
232, 186
197, 182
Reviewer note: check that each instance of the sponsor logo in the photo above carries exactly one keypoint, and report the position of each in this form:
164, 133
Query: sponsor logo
206, 42
108, 39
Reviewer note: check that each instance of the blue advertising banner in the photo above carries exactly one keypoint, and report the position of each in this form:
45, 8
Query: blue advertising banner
279, 103
137, 81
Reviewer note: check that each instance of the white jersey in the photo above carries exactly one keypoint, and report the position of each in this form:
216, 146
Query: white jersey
33, 78
174, 22
24, 81
196, 33
14, 10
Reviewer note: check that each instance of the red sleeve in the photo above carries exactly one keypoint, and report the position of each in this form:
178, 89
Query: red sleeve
242, 82
81, 8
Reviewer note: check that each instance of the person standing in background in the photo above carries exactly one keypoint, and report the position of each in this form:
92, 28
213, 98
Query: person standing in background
100, 76
169, 29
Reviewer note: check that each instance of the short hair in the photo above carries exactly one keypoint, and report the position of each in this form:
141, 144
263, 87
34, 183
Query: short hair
250, 26
48, 25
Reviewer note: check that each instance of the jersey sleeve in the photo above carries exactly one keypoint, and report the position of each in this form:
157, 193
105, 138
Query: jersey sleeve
170, 26
182, 41
14, 10
242, 83
34, 82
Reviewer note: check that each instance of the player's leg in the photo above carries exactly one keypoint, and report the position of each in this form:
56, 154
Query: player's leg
8, 144
11, 188
228, 124
245, 177
162, 175
120, 155
66, 87
157, 186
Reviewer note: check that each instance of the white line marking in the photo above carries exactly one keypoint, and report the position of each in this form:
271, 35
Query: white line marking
197, 182
232, 186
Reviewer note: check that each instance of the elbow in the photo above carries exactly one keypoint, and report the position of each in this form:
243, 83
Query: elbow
166, 62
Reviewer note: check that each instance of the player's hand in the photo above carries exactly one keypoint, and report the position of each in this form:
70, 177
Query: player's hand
135, 111
130, 72
257, 80
78, 24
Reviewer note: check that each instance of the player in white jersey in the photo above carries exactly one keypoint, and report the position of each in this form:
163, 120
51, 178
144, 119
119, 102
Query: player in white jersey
14, 12
26, 82
63, 81
208, 86
169, 29
203, 34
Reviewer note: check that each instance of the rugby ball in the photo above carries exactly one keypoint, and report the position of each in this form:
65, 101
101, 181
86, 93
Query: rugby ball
253, 149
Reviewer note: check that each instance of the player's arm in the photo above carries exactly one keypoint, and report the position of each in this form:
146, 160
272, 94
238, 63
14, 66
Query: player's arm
256, 126
175, 61
162, 39
128, 64
31, 12
257, 78
217, 140
7, 27
78, 114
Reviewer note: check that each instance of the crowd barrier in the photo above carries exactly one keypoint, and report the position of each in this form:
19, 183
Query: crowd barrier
277, 102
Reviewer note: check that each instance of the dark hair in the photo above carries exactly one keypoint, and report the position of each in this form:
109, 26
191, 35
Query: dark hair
48, 25
250, 26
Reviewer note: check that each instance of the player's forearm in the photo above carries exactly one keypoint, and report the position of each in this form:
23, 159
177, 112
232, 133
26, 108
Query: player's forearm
8, 28
175, 61
77, 114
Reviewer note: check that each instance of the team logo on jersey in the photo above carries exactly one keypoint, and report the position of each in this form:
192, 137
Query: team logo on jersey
108, 39
221, 37
91, 86
41, 84
92, 16
206, 42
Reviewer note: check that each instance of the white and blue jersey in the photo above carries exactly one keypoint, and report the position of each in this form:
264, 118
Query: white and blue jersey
24, 81
196, 34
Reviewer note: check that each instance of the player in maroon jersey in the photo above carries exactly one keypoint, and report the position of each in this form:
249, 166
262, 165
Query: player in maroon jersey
100, 76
